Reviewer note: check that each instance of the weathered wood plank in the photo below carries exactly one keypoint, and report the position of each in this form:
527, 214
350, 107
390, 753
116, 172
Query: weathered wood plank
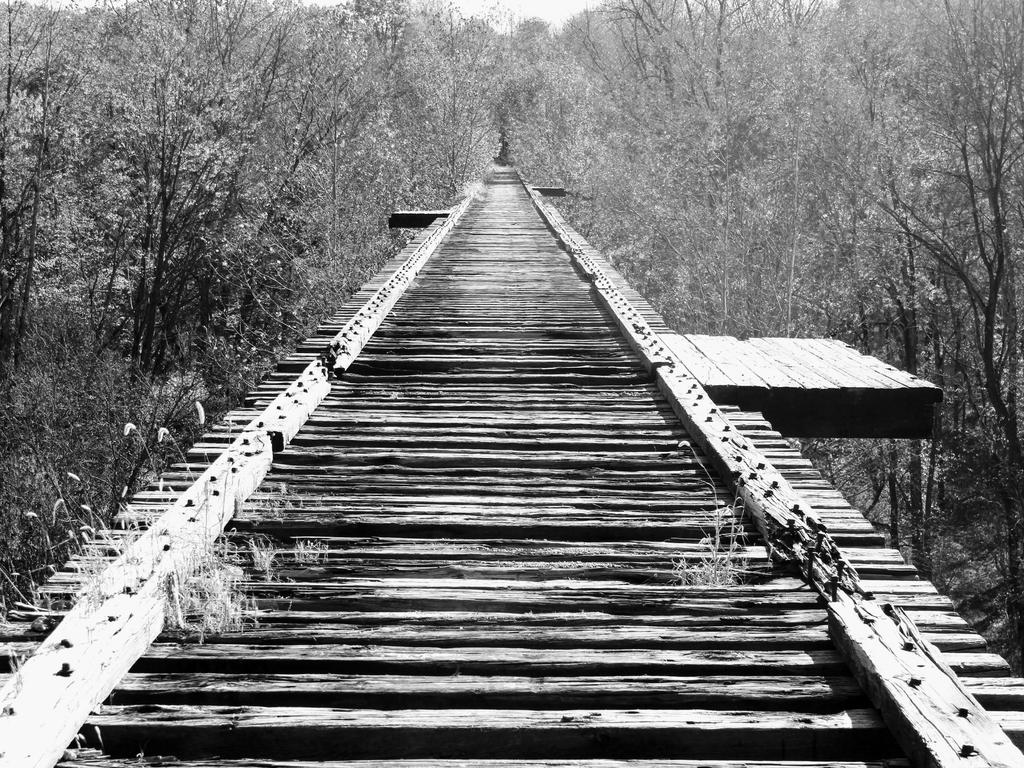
91, 759
350, 340
781, 692
336, 659
550, 191
918, 713
809, 387
122, 608
415, 219
312, 733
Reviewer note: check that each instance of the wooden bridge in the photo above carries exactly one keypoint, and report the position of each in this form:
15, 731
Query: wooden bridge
467, 547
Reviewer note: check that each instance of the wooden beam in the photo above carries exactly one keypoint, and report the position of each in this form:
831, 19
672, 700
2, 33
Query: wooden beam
937, 722
91, 759
415, 219
550, 191
810, 387
351, 339
120, 611
323, 733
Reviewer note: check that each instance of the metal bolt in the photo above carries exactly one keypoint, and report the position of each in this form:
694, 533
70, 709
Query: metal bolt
65, 670
962, 712
914, 682
65, 643
967, 750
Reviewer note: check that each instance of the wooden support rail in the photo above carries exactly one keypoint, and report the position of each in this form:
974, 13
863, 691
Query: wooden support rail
933, 717
120, 611
350, 340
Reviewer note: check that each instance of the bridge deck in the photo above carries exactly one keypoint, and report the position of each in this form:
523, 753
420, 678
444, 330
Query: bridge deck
477, 546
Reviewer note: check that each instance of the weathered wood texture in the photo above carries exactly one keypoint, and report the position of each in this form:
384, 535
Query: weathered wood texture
471, 554
928, 710
415, 219
93, 759
550, 191
810, 387
120, 610
116, 604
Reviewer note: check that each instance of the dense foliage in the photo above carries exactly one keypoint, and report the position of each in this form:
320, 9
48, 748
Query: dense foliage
187, 186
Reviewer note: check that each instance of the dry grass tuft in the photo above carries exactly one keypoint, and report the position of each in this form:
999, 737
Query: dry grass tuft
262, 551
723, 563
209, 600
310, 552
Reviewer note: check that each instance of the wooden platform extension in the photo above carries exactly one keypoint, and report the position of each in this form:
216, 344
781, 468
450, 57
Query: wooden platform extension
414, 219
477, 542
811, 387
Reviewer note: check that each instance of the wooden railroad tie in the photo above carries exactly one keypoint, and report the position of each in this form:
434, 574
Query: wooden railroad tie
932, 715
482, 515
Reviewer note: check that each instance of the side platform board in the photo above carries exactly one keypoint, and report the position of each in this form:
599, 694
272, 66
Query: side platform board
810, 387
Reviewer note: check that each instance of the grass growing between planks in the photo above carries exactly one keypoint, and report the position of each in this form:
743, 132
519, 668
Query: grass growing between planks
262, 553
209, 598
723, 562
310, 552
